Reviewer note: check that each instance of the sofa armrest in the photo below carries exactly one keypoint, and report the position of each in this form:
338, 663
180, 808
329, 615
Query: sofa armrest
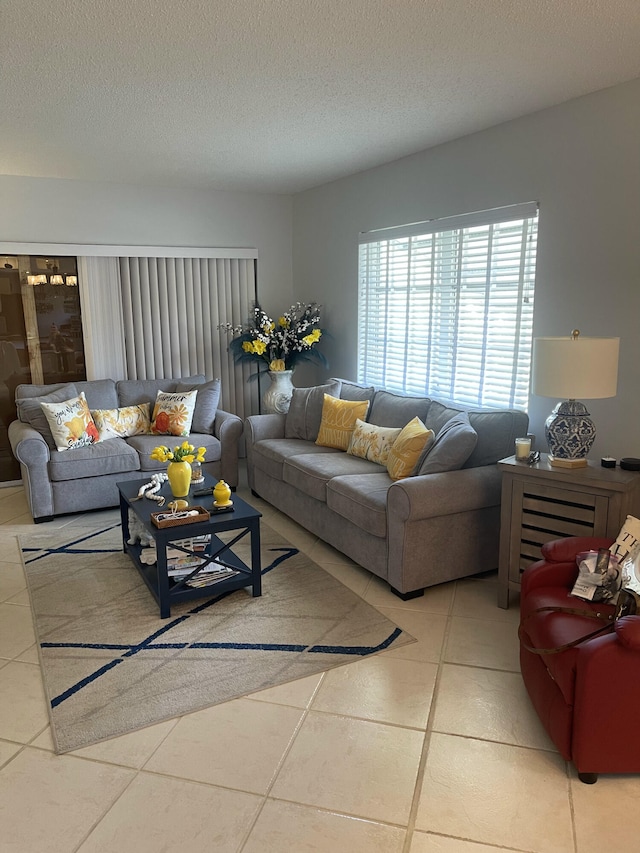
227, 428
260, 427
33, 454
432, 495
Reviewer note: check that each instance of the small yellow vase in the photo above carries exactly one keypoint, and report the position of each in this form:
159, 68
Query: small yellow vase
179, 474
221, 494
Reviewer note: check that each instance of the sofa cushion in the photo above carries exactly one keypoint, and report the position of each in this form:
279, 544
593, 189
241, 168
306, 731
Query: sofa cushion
338, 421
361, 499
173, 413
310, 472
144, 444
31, 412
396, 410
408, 448
120, 423
71, 423
305, 410
134, 391
353, 391
112, 456
207, 402
451, 449
497, 430
270, 454
100, 393
372, 442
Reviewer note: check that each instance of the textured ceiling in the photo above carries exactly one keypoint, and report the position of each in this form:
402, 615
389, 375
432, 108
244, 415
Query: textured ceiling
283, 95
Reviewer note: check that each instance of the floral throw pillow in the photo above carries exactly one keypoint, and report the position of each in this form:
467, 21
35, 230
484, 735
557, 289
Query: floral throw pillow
120, 423
173, 413
71, 423
372, 442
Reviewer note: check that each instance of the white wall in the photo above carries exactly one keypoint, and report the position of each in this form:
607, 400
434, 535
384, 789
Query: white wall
581, 161
60, 211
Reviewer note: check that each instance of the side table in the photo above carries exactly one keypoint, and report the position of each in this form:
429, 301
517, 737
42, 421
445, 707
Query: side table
540, 503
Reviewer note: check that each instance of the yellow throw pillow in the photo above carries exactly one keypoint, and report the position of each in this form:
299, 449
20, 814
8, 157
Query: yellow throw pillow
173, 413
372, 442
71, 423
407, 448
129, 420
338, 421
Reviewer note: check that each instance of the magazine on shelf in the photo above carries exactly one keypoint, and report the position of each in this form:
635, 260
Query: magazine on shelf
209, 579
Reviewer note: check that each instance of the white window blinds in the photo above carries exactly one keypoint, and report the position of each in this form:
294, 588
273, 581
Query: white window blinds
445, 307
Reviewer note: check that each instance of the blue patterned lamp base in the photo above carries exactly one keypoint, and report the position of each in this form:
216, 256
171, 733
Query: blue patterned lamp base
570, 433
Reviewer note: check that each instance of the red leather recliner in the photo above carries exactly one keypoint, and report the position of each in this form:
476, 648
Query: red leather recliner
587, 697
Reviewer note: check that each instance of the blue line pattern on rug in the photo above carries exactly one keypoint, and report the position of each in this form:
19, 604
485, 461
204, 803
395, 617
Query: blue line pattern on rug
150, 644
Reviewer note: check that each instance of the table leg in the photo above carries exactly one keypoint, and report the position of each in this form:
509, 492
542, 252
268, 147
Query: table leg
256, 566
124, 520
163, 580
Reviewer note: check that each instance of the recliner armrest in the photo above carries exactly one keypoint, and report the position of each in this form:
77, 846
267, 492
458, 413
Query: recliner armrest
628, 632
567, 549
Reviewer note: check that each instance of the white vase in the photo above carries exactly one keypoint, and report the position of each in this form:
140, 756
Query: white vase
277, 397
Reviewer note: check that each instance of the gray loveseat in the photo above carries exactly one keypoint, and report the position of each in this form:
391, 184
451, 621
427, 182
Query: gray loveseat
58, 482
413, 532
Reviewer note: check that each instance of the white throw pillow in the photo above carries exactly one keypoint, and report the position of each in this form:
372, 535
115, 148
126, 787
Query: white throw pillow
71, 423
173, 413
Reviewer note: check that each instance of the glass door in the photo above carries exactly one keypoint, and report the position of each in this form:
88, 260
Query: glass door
40, 334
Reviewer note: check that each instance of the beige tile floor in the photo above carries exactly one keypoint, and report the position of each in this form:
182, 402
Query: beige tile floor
431, 748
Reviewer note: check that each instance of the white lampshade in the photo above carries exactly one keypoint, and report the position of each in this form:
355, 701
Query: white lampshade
575, 367
34, 280
56, 279
71, 281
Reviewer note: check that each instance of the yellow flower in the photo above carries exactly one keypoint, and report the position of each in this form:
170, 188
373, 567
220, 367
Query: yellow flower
312, 338
259, 347
277, 364
247, 346
268, 328
282, 321
184, 452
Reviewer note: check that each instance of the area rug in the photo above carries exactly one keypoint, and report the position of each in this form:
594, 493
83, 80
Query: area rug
110, 665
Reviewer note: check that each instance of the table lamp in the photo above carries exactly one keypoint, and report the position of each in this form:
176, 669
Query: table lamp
569, 368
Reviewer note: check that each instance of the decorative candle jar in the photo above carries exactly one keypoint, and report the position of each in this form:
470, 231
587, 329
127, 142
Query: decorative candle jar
221, 494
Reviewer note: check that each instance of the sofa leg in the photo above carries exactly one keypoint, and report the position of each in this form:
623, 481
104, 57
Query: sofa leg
407, 596
255, 494
42, 518
588, 778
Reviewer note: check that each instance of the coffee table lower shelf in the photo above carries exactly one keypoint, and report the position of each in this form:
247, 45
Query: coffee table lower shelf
169, 591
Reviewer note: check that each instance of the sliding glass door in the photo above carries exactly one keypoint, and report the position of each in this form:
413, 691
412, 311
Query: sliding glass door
41, 338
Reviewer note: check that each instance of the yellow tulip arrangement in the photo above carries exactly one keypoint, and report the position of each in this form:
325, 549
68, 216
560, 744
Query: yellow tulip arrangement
185, 452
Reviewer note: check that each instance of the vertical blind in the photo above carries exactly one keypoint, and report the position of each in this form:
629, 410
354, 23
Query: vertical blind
171, 310
445, 307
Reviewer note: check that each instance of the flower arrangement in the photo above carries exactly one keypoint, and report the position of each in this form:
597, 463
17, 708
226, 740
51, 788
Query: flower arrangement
278, 345
184, 452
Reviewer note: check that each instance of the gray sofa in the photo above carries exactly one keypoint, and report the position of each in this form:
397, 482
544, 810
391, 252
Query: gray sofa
58, 482
413, 532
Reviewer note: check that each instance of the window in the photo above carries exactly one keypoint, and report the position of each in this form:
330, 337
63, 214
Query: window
445, 307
